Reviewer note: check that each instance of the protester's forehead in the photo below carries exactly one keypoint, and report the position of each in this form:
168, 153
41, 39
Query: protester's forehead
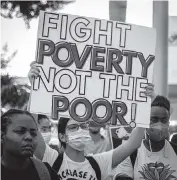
23, 120
159, 111
45, 122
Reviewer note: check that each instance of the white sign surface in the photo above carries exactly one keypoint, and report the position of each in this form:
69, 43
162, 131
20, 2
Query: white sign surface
93, 68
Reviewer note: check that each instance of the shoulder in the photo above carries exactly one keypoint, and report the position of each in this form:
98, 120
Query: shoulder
52, 173
102, 155
103, 158
50, 155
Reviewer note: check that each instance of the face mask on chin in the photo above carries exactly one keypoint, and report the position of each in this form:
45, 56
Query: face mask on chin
158, 132
47, 137
78, 139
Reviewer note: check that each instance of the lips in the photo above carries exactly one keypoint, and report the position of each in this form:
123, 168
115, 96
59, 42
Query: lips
28, 147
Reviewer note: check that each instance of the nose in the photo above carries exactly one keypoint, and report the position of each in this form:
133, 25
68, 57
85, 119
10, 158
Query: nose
28, 136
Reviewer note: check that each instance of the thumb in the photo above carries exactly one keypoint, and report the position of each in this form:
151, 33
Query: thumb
33, 63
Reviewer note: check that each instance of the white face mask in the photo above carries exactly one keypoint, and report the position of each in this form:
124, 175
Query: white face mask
158, 132
78, 139
47, 137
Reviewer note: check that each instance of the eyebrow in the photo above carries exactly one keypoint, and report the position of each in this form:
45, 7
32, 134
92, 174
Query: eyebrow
31, 129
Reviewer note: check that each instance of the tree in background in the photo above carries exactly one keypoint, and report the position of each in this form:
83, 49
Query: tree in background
13, 95
5, 57
29, 9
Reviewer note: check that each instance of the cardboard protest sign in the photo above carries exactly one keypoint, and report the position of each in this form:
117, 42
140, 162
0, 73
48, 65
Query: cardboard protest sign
93, 68
119, 134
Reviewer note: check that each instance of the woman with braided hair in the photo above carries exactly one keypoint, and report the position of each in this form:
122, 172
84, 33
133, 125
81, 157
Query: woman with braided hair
19, 135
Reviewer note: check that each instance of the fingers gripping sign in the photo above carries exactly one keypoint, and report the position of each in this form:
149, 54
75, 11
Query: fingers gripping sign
86, 71
34, 71
150, 91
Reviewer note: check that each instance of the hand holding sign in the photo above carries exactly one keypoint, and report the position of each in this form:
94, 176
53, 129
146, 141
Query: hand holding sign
34, 71
92, 68
150, 91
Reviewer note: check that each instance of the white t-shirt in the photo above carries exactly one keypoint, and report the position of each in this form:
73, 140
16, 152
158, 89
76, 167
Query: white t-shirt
98, 147
71, 170
160, 165
123, 169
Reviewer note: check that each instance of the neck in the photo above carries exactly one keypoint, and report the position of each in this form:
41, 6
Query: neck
14, 162
155, 146
74, 155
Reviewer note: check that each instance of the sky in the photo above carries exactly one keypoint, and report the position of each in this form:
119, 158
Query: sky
19, 38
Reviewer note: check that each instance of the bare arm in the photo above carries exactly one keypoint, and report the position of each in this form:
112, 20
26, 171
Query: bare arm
134, 142
126, 149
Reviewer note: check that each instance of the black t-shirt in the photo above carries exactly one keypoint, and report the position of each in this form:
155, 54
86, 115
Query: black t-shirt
29, 173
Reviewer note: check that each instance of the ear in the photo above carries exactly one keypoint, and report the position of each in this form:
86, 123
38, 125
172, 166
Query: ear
62, 137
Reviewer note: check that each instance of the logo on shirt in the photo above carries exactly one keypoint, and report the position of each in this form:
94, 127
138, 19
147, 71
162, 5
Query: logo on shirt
157, 171
69, 174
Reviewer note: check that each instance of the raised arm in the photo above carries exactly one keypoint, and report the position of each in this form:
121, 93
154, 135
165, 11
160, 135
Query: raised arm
127, 148
134, 142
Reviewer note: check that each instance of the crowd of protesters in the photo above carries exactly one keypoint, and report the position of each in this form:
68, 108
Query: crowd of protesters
86, 150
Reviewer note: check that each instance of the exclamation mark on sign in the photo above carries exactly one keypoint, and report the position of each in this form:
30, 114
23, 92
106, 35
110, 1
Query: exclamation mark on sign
133, 115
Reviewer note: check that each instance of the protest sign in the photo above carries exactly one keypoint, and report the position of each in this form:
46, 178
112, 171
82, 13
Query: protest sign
93, 68
118, 135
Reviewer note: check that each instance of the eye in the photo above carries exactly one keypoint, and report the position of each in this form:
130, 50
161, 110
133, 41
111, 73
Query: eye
72, 127
164, 120
154, 120
21, 132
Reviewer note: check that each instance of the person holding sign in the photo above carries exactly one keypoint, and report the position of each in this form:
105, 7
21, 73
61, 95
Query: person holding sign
157, 157
73, 135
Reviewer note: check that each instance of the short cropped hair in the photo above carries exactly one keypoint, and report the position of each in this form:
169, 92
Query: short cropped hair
42, 116
161, 101
62, 123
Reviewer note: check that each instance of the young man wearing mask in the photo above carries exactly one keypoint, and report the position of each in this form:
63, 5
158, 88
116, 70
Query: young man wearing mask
157, 157
99, 142
45, 127
72, 164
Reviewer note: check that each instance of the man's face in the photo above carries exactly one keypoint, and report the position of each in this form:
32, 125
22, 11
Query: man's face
21, 136
77, 135
72, 127
44, 125
159, 123
159, 115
